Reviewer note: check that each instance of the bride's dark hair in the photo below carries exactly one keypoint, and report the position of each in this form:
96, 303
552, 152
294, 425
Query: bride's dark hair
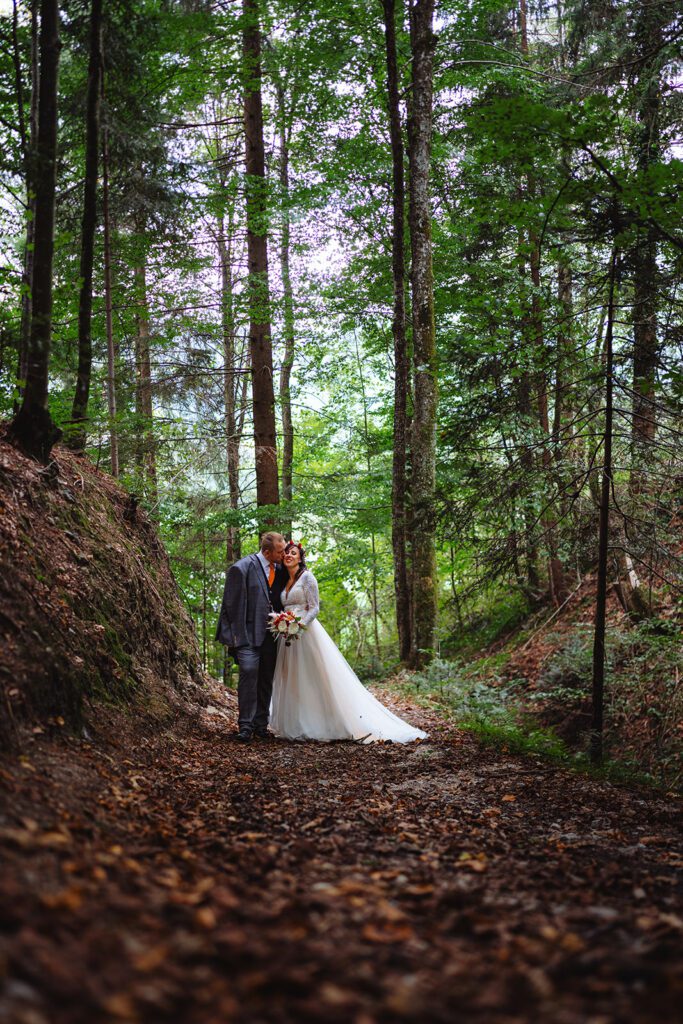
302, 557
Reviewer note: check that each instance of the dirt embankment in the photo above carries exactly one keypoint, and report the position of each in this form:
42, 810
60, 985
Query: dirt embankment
548, 661
91, 619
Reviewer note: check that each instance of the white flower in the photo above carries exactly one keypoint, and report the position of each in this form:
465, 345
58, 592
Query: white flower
294, 628
282, 626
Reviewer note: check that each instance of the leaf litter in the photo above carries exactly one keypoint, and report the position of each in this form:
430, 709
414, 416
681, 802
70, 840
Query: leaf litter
184, 877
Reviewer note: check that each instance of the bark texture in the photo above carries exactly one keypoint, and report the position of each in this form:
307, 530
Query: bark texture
111, 344
649, 42
541, 379
31, 140
422, 43
288, 316
234, 383
143, 388
32, 427
556, 581
79, 411
267, 489
399, 485
603, 541
563, 355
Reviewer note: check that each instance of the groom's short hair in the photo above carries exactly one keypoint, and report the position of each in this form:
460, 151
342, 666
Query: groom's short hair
269, 540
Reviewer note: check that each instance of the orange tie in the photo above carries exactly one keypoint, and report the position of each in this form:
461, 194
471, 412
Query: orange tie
271, 575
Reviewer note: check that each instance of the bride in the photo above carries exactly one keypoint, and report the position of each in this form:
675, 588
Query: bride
316, 693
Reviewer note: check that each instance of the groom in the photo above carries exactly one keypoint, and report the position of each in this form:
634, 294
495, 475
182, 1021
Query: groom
252, 590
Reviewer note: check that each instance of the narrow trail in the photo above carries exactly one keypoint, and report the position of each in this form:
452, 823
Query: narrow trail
187, 878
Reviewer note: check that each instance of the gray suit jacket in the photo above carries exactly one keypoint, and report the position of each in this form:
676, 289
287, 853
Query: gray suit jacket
246, 603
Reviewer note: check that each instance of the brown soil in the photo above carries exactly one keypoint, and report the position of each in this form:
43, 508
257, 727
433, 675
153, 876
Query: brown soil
184, 877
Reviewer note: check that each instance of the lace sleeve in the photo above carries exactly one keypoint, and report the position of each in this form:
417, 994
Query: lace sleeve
310, 588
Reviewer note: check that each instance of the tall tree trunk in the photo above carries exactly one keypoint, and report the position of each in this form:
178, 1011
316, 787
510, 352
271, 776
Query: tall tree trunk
556, 581
563, 443
231, 381
204, 631
523, 30
401, 354
563, 357
33, 428
79, 412
510, 444
525, 412
263, 396
533, 582
143, 388
18, 83
288, 317
603, 541
645, 351
592, 441
242, 397
31, 139
373, 538
649, 42
111, 346
422, 42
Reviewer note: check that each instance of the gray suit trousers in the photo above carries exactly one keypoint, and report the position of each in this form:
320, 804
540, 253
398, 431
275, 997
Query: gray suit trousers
255, 686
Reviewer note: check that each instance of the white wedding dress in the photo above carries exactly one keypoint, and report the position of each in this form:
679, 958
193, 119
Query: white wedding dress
316, 693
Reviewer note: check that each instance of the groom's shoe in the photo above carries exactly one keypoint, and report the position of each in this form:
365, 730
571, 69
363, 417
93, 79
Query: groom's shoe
244, 736
263, 734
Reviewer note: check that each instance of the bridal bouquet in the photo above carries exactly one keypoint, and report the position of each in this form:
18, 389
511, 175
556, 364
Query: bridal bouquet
285, 626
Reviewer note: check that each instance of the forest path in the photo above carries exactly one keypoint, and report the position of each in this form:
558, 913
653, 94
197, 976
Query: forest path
192, 879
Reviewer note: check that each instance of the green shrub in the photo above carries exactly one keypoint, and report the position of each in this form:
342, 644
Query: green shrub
644, 700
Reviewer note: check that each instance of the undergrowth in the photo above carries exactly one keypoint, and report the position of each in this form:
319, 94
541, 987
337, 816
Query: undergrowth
549, 716
465, 695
